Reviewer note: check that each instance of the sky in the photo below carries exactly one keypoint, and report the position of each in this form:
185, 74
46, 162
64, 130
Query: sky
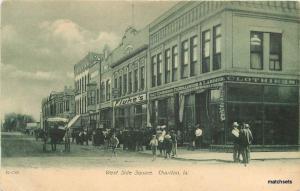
42, 40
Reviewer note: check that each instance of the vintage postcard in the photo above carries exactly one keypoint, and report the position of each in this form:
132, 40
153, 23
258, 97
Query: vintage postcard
150, 95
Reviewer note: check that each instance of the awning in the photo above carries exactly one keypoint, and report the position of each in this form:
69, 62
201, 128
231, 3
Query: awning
73, 121
57, 119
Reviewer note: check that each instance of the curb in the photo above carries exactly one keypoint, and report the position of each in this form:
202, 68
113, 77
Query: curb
219, 160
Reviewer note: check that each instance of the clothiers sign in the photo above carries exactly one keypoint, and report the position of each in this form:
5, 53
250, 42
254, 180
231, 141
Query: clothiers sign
189, 87
262, 80
216, 82
131, 100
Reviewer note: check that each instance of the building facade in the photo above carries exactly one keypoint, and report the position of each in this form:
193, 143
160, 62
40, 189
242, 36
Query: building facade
213, 63
104, 100
128, 65
87, 77
59, 104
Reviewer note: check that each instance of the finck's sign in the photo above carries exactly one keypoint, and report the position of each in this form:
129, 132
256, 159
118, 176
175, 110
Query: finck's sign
130, 100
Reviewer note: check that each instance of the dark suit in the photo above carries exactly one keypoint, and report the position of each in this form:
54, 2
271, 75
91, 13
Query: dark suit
246, 139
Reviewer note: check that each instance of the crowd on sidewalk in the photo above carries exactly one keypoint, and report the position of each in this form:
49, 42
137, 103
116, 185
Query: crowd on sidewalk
156, 139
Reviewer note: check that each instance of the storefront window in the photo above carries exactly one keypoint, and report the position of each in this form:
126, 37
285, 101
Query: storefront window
140, 116
283, 94
281, 125
250, 93
246, 113
271, 111
120, 114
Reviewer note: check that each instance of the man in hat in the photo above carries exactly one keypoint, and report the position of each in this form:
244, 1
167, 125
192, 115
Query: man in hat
236, 142
246, 139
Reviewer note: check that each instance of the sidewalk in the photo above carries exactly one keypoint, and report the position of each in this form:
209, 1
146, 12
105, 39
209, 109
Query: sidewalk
206, 155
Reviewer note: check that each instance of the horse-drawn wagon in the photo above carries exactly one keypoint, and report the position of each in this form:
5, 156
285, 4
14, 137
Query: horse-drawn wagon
55, 130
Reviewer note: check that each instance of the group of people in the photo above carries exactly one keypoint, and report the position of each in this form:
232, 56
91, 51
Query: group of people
242, 139
165, 142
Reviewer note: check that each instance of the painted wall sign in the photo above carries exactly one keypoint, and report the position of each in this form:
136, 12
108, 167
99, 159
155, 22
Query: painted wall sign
130, 100
262, 80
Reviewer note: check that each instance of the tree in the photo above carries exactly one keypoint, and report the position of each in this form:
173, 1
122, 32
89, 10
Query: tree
16, 121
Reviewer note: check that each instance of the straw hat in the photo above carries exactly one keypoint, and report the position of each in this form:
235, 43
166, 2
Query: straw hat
235, 124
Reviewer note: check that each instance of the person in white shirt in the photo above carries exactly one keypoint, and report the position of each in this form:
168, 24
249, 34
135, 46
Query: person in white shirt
198, 136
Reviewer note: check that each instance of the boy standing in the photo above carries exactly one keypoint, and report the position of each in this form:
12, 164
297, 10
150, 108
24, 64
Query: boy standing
153, 145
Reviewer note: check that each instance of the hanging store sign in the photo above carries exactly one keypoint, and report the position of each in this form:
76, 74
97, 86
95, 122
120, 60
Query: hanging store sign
217, 82
210, 83
131, 100
222, 104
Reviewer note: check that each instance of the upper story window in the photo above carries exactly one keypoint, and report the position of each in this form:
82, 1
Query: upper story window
194, 55
167, 66
120, 85
256, 50
85, 83
159, 69
107, 90
174, 63
97, 95
142, 77
153, 70
129, 82
67, 105
185, 59
136, 82
217, 48
206, 51
275, 51
124, 84
91, 97
102, 92
115, 86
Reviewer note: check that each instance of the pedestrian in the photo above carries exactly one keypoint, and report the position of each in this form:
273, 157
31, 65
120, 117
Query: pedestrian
67, 140
54, 137
114, 142
236, 142
198, 134
153, 144
191, 137
246, 139
167, 145
161, 143
174, 143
